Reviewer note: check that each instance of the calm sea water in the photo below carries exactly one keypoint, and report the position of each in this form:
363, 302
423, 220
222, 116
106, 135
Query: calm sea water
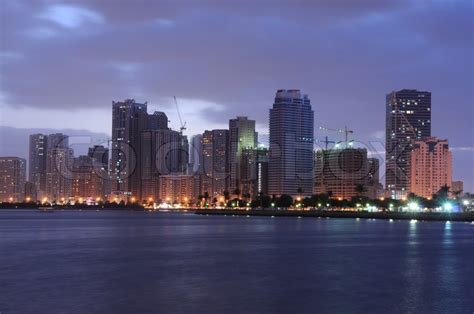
139, 262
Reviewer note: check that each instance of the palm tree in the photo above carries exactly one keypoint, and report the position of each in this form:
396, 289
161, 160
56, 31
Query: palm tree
206, 196
237, 192
360, 189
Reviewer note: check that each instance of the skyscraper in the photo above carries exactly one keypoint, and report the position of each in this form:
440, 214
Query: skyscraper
408, 118
215, 162
254, 172
158, 121
242, 136
129, 119
291, 144
37, 159
12, 179
83, 183
163, 152
195, 154
58, 140
100, 168
59, 162
430, 166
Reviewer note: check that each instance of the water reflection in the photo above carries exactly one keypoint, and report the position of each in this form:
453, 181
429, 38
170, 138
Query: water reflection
447, 236
413, 275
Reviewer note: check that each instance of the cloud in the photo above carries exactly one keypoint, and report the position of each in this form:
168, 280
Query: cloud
78, 56
70, 16
462, 149
380, 134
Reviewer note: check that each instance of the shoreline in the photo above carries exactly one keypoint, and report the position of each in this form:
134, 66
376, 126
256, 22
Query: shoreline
422, 216
462, 217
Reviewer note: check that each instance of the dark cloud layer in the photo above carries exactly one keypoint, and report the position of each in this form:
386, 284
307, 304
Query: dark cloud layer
345, 54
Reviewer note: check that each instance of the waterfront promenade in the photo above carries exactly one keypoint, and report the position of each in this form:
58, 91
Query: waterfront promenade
425, 216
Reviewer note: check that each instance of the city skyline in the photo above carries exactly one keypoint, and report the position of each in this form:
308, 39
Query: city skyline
354, 55
150, 161
157, 123
232, 156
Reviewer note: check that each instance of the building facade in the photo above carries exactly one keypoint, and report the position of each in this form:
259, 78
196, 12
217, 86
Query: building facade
430, 166
342, 173
12, 179
374, 187
59, 174
195, 154
100, 168
37, 161
291, 144
130, 147
242, 136
408, 118
254, 172
82, 179
163, 152
215, 163
177, 189
129, 119
457, 188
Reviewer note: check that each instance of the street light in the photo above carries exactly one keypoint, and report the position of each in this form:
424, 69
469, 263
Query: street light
413, 206
448, 206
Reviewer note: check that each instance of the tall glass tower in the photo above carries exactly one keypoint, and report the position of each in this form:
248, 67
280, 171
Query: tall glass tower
242, 136
129, 118
408, 118
291, 144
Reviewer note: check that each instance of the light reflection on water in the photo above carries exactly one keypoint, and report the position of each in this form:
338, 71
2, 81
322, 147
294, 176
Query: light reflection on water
133, 262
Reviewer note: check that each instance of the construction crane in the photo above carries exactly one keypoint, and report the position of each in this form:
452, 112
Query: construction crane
326, 141
183, 126
346, 132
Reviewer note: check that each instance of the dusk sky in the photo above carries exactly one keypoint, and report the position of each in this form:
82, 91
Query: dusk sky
63, 62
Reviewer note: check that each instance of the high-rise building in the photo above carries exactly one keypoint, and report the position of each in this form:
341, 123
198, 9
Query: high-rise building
215, 163
31, 194
254, 172
195, 154
430, 166
129, 119
291, 144
178, 189
163, 152
242, 136
408, 118
342, 173
374, 187
83, 184
100, 168
58, 140
37, 161
59, 174
158, 121
12, 179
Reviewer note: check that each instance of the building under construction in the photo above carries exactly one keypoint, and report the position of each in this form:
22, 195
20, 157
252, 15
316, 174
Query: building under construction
342, 173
